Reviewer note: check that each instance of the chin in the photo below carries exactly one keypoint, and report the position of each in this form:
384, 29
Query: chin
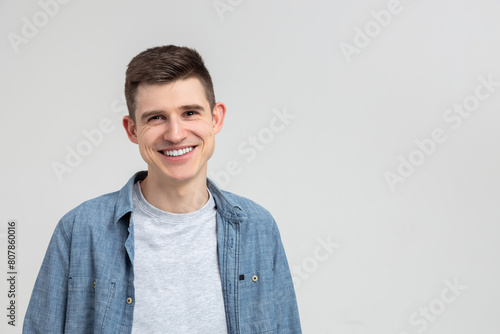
179, 178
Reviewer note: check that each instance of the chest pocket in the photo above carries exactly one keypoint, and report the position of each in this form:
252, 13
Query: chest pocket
256, 302
88, 304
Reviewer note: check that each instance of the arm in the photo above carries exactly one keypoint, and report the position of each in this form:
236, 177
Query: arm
47, 306
287, 312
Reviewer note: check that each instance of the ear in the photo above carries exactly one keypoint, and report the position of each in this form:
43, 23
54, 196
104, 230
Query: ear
130, 129
218, 115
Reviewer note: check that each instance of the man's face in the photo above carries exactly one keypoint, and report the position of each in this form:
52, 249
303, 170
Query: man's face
175, 129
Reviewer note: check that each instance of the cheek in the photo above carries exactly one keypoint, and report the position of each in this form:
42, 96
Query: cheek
203, 130
146, 130
147, 136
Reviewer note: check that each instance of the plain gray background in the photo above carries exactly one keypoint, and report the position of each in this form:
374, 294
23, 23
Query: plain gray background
365, 84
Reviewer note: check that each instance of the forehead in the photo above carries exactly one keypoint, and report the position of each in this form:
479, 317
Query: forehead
170, 95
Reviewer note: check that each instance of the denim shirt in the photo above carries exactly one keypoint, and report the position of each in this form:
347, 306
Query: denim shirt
86, 281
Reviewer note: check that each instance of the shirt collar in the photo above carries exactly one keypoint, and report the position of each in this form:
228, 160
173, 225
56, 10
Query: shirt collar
124, 204
225, 206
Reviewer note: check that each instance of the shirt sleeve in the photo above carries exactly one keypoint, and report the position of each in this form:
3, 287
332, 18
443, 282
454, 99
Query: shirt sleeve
47, 307
287, 312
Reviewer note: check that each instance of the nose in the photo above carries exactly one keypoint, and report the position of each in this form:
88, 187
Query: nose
174, 131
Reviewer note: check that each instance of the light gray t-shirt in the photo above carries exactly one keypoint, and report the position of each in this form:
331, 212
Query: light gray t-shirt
176, 271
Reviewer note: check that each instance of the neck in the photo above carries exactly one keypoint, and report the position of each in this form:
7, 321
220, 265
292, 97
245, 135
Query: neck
175, 197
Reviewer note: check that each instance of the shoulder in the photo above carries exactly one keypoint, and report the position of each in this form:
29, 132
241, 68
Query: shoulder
248, 206
255, 215
92, 211
232, 205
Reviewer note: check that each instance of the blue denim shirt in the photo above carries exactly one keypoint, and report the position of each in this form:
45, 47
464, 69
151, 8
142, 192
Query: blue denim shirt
86, 282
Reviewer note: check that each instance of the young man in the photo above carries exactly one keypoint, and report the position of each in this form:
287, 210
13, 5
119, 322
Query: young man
169, 252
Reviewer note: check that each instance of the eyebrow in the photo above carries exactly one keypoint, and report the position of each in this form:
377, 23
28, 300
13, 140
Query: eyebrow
192, 107
151, 113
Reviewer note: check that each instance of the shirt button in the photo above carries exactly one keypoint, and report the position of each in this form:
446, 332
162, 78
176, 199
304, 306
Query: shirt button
129, 300
255, 278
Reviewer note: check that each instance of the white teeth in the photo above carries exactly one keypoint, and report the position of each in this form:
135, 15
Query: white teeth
176, 153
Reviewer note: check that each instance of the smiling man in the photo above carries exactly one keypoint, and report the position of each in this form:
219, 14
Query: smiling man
170, 252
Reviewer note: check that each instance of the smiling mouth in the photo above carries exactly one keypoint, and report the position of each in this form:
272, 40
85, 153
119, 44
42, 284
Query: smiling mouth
177, 153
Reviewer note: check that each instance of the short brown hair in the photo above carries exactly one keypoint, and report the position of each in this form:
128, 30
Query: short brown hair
164, 64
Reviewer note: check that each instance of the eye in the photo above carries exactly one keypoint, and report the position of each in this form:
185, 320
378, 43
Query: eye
191, 113
155, 117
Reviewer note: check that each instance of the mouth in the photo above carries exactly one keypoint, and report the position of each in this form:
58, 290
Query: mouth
179, 152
